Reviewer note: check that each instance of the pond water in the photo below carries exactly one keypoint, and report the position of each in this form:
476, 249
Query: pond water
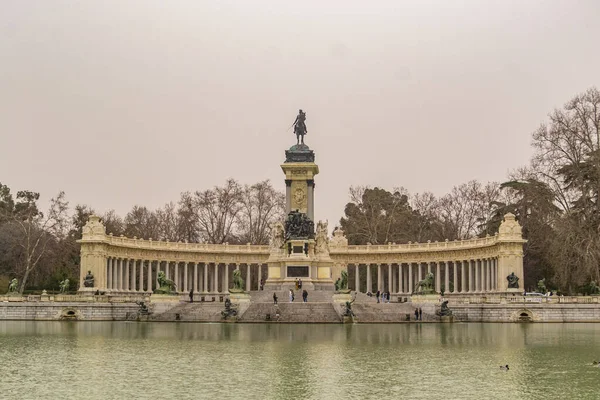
120, 360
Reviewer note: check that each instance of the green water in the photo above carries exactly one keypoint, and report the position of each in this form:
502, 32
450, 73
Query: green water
120, 360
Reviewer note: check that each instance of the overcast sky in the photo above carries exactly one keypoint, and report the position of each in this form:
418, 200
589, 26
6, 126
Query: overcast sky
132, 102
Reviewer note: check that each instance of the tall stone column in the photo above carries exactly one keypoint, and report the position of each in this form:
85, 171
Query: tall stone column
126, 274
438, 284
369, 283
310, 186
477, 276
410, 278
419, 271
463, 277
109, 273
428, 268
185, 276
133, 274
455, 281
390, 279
379, 277
167, 268
176, 280
248, 275
446, 277
195, 278
259, 276
216, 278
120, 275
357, 277
205, 280
401, 277
288, 195
149, 283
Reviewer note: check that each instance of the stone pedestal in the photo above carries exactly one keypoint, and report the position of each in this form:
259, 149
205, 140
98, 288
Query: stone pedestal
447, 318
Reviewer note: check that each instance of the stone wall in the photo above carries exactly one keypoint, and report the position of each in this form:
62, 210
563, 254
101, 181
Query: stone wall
55, 311
527, 311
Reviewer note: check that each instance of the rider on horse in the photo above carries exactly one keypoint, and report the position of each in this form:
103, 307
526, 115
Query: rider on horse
300, 126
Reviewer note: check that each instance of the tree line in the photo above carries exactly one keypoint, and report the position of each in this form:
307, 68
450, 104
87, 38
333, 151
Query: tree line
555, 198
41, 249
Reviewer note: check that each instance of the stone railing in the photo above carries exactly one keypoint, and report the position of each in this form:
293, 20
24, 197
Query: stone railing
417, 247
122, 241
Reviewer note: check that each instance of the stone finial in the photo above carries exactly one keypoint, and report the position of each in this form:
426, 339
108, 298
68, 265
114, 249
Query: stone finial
339, 239
94, 227
510, 228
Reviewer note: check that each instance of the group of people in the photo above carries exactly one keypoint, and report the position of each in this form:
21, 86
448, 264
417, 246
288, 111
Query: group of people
298, 284
384, 296
418, 314
292, 296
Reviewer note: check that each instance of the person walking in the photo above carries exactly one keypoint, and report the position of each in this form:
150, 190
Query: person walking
420, 314
274, 298
192, 296
300, 283
296, 283
292, 294
262, 283
305, 296
377, 295
388, 296
416, 314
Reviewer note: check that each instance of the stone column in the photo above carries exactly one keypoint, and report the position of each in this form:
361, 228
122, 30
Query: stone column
186, 288
310, 186
489, 268
357, 277
126, 278
141, 278
259, 276
133, 274
149, 283
195, 278
288, 196
369, 283
176, 277
419, 272
410, 278
455, 270
446, 277
428, 268
463, 277
205, 280
476, 276
109, 274
390, 287
438, 284
248, 275
379, 278
167, 268
216, 278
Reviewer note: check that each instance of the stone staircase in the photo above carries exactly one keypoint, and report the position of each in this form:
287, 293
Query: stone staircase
314, 296
318, 309
318, 313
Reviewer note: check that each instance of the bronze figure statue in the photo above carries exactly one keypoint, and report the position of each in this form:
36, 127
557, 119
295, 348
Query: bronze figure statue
300, 127
513, 281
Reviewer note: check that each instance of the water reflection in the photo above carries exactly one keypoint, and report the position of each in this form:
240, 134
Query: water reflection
274, 361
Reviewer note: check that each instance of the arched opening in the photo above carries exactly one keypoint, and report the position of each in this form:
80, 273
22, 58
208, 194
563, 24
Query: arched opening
525, 316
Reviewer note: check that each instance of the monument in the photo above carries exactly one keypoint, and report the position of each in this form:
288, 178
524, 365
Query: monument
296, 252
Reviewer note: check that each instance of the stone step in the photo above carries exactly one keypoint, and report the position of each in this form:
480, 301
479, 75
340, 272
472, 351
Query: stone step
292, 312
314, 296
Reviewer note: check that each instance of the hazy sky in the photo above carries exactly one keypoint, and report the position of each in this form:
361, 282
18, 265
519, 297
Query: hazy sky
132, 102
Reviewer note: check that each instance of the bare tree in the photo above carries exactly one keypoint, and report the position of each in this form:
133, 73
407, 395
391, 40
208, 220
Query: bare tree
217, 210
261, 205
